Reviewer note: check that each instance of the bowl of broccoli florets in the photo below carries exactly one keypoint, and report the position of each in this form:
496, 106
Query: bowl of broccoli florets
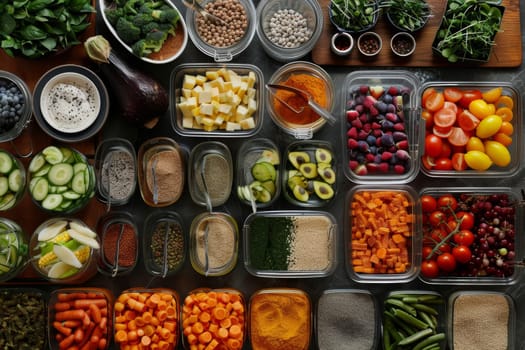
152, 30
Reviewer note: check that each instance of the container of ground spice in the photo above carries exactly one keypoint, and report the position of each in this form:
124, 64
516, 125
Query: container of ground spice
116, 171
347, 319
224, 39
210, 170
290, 244
280, 318
213, 243
161, 171
481, 320
119, 244
164, 245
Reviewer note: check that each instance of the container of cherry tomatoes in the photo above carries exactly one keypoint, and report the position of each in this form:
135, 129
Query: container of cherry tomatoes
472, 129
470, 236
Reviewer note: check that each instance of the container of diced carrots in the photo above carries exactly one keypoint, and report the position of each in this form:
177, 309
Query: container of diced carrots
382, 234
146, 319
214, 319
80, 319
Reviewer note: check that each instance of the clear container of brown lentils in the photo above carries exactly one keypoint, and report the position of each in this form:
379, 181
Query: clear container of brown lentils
228, 37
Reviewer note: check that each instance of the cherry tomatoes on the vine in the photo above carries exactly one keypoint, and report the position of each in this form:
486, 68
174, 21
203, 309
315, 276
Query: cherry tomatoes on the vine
446, 262
447, 201
437, 217
428, 203
429, 268
467, 220
464, 237
462, 254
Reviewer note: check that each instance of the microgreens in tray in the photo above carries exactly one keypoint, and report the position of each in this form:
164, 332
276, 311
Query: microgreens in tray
468, 30
407, 15
35, 28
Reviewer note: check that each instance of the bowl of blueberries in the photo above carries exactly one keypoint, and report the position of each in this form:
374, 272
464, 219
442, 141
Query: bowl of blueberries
15, 106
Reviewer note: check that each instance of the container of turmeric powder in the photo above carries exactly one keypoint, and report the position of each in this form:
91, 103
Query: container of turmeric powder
280, 318
289, 111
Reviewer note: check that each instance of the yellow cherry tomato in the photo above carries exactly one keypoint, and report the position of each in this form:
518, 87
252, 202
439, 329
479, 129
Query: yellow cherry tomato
506, 128
475, 144
505, 113
492, 95
477, 160
489, 126
505, 101
505, 140
498, 153
479, 108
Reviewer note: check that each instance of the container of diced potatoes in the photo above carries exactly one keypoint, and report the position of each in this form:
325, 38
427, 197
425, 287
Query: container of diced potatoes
216, 100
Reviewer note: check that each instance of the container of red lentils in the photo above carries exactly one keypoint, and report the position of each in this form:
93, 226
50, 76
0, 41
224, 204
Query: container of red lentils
119, 244
228, 37
147, 319
214, 318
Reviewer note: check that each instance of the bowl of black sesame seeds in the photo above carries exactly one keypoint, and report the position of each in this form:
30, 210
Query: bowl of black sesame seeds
227, 37
15, 106
289, 29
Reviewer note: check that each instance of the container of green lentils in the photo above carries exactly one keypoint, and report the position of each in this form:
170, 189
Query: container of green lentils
164, 245
23, 319
347, 319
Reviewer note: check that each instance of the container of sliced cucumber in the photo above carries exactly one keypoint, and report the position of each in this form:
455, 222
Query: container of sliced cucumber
13, 249
61, 180
12, 180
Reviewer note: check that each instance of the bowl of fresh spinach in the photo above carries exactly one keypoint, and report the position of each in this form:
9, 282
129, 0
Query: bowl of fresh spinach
36, 28
468, 30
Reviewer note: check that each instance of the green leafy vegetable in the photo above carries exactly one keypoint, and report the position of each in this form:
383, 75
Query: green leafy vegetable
468, 30
409, 15
143, 24
354, 15
34, 28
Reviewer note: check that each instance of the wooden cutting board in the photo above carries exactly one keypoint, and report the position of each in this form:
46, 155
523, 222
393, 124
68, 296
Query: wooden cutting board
507, 52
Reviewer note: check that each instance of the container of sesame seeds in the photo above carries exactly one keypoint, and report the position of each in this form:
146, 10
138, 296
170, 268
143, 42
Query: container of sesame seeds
289, 29
303, 244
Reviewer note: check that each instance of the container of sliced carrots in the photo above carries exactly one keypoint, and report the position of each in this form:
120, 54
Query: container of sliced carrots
382, 234
146, 319
214, 319
80, 319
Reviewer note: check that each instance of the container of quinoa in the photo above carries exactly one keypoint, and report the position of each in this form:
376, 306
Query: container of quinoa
303, 244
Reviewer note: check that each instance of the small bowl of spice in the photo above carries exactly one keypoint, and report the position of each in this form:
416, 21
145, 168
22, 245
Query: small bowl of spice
290, 244
210, 174
213, 243
342, 43
161, 171
116, 171
369, 44
15, 106
280, 318
164, 245
403, 44
289, 29
119, 243
227, 37
289, 111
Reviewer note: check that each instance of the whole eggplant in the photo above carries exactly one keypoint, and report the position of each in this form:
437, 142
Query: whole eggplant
142, 99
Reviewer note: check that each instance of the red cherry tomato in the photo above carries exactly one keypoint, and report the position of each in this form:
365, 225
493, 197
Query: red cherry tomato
467, 121
434, 101
458, 137
427, 252
437, 217
469, 96
462, 254
428, 203
433, 145
467, 218
445, 248
446, 262
445, 117
437, 234
429, 268
458, 161
442, 132
446, 150
464, 237
443, 163
453, 94
447, 202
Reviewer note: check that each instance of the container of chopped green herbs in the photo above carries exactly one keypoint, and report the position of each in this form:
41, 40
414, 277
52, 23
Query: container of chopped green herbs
290, 244
354, 16
468, 30
23, 323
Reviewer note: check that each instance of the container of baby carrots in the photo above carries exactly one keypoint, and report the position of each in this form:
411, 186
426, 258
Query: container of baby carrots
80, 319
146, 319
214, 319
382, 234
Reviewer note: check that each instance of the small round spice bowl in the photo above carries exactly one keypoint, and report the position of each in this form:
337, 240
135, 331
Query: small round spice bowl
163, 243
228, 37
15, 106
119, 244
288, 29
403, 44
116, 171
342, 43
369, 44
213, 244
